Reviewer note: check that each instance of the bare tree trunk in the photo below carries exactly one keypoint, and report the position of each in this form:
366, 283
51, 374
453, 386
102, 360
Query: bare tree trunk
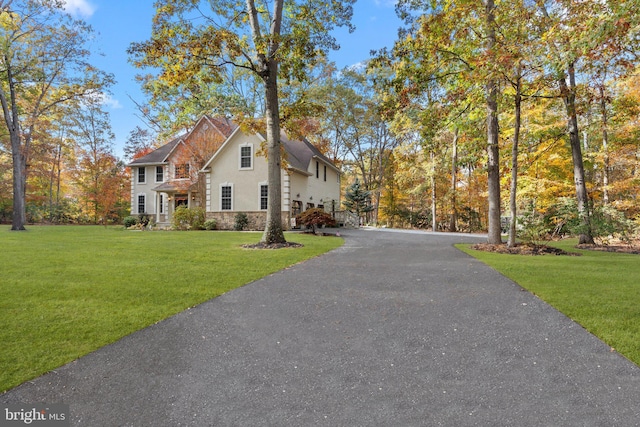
273, 232
434, 220
605, 146
453, 219
493, 150
513, 191
268, 71
569, 97
19, 218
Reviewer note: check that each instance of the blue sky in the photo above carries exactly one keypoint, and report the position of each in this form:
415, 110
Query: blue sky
118, 23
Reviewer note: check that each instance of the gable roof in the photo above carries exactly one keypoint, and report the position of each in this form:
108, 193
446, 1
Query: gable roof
300, 154
157, 156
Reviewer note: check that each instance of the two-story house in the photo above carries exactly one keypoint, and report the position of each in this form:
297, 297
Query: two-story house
216, 166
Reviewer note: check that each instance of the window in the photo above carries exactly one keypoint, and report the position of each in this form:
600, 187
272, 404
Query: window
310, 206
159, 173
225, 198
264, 196
162, 203
141, 176
246, 157
317, 169
182, 171
141, 204
325, 173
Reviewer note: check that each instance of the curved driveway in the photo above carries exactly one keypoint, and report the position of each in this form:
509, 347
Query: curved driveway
392, 329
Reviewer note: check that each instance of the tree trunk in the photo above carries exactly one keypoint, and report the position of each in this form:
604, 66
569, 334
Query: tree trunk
434, 220
19, 218
453, 219
605, 146
513, 191
569, 98
273, 232
493, 150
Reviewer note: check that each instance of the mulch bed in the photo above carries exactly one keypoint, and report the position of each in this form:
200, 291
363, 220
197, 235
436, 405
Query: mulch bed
273, 245
522, 249
626, 249
529, 249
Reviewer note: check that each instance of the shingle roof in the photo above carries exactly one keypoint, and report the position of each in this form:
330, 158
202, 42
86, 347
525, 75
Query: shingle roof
159, 155
300, 153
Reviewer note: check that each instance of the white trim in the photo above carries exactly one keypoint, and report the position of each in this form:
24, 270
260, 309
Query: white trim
164, 172
260, 184
223, 146
286, 193
208, 191
225, 184
138, 203
251, 156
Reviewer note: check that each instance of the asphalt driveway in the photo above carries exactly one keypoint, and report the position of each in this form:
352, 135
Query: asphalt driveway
392, 329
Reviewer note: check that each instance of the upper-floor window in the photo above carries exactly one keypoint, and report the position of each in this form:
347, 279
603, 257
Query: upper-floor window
159, 173
317, 169
142, 178
182, 171
325, 172
246, 157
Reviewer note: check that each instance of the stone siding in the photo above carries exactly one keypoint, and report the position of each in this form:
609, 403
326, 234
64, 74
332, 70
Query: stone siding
257, 220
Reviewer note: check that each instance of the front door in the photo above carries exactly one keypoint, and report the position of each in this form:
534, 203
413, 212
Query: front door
181, 200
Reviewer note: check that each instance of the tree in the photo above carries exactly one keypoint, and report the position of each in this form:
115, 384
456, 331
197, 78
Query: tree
42, 64
270, 40
139, 143
315, 217
358, 200
98, 176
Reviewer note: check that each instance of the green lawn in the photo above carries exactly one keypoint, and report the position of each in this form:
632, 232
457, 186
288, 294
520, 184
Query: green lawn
68, 290
599, 290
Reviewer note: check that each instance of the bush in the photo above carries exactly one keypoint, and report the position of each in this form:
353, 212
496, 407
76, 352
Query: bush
210, 224
533, 227
606, 222
241, 221
188, 218
130, 221
144, 219
311, 218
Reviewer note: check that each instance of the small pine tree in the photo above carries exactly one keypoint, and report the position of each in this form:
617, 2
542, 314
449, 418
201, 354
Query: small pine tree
357, 199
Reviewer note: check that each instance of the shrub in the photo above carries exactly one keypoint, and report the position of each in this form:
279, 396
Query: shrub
210, 224
533, 227
144, 219
188, 219
241, 221
130, 221
315, 217
606, 222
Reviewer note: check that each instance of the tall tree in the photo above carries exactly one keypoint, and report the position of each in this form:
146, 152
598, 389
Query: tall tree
271, 39
96, 163
43, 63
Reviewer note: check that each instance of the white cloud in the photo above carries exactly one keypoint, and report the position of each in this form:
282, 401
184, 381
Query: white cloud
80, 8
109, 101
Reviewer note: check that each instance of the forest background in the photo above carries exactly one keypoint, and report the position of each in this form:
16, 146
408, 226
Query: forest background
411, 125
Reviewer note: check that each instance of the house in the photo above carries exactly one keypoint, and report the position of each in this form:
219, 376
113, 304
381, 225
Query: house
216, 166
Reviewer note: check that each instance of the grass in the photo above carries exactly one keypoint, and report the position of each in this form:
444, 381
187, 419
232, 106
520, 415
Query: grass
599, 290
69, 290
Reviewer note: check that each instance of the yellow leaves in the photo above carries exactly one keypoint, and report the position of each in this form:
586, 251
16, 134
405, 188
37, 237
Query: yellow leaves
9, 21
